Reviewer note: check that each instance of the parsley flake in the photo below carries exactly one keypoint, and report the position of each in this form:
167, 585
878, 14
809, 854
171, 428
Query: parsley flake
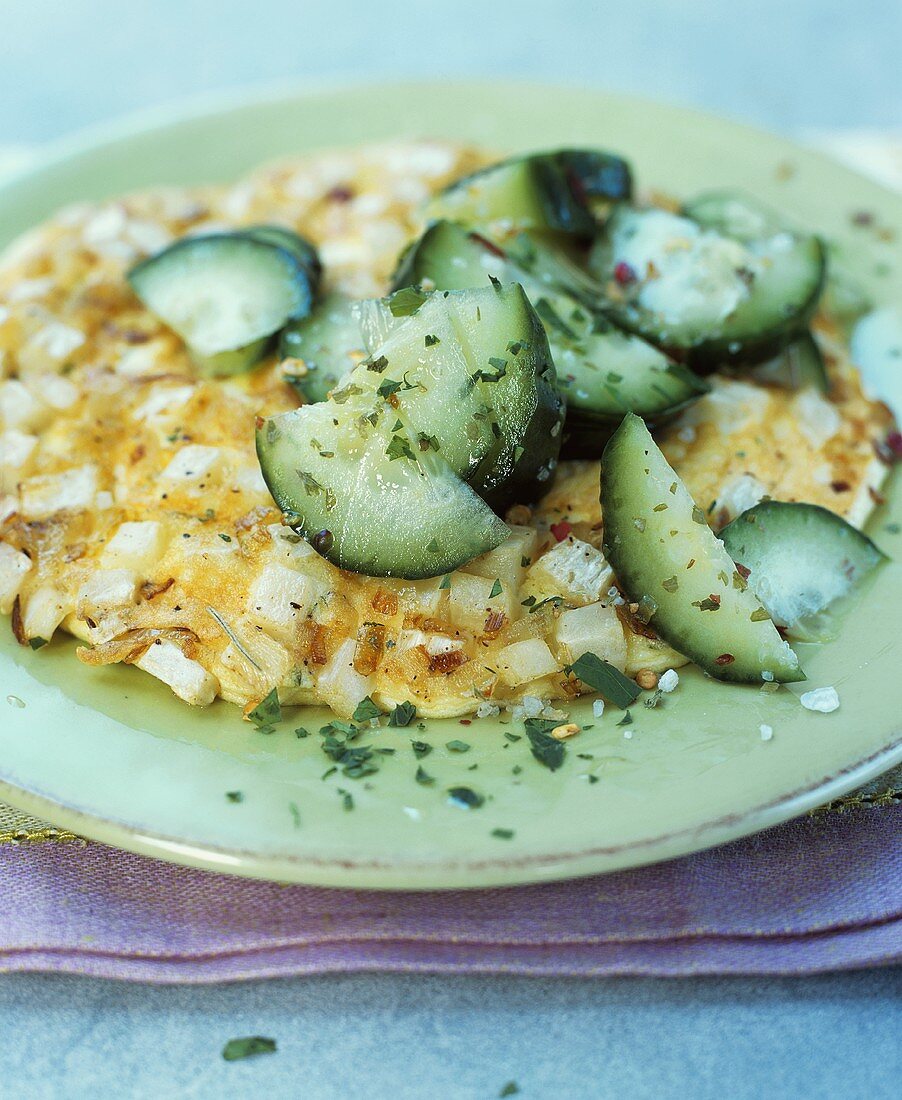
465, 797
420, 748
457, 746
399, 448
604, 678
266, 712
423, 777
503, 834
235, 796
366, 710
248, 1047
546, 749
496, 589
403, 714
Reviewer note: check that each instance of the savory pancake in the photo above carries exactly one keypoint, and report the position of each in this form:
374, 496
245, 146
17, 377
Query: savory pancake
133, 513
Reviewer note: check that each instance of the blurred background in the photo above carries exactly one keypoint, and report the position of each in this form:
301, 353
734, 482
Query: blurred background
791, 65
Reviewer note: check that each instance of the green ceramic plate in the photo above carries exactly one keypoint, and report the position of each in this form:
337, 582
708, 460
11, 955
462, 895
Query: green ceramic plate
114, 756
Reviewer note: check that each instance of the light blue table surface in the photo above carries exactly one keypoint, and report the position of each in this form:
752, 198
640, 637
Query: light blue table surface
789, 66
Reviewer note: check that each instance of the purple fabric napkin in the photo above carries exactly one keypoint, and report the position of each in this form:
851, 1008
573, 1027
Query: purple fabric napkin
821, 893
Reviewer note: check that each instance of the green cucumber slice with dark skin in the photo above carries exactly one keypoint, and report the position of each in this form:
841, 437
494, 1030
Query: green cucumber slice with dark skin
602, 371
472, 372
670, 562
802, 558
226, 295
328, 341
721, 283
541, 191
351, 478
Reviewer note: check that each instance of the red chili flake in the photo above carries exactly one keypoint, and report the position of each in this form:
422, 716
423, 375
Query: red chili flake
340, 194
624, 274
840, 486
561, 530
743, 571
894, 443
488, 245
466, 722
724, 659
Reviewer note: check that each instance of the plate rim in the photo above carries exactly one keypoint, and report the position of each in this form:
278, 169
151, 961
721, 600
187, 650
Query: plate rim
419, 875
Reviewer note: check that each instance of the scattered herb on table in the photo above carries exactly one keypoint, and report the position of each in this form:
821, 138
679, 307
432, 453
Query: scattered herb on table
423, 777
503, 834
510, 1089
295, 814
420, 748
457, 746
248, 1047
234, 796
626, 720
347, 799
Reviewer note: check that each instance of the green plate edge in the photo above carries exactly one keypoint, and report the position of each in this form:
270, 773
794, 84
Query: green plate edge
113, 756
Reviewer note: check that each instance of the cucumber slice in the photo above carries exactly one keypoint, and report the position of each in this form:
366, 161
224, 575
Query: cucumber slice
602, 371
669, 561
797, 367
541, 191
302, 250
720, 284
803, 558
472, 372
351, 478
225, 294
328, 341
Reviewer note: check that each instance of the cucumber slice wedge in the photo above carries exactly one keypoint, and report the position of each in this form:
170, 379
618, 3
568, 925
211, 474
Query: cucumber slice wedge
329, 343
472, 372
303, 251
722, 283
540, 191
803, 558
351, 478
225, 294
669, 561
602, 371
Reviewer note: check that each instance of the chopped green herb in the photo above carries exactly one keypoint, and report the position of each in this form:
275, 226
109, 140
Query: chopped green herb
347, 799
234, 796
295, 814
510, 1089
892, 528
37, 643
496, 589
366, 710
301, 732
555, 601
430, 340
698, 516
225, 538
709, 603
248, 1047
671, 584
446, 582
546, 749
465, 797
432, 547
513, 736
457, 746
420, 748
428, 442
626, 720
603, 677
503, 834
423, 777
403, 714
406, 302
388, 387
399, 448
267, 711
525, 562
759, 615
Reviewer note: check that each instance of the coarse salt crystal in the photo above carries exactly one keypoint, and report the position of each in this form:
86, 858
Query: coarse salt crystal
598, 708
822, 700
628, 734
668, 681
487, 710
767, 732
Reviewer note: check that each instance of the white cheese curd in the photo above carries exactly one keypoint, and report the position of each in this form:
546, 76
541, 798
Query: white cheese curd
822, 700
693, 270
668, 681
